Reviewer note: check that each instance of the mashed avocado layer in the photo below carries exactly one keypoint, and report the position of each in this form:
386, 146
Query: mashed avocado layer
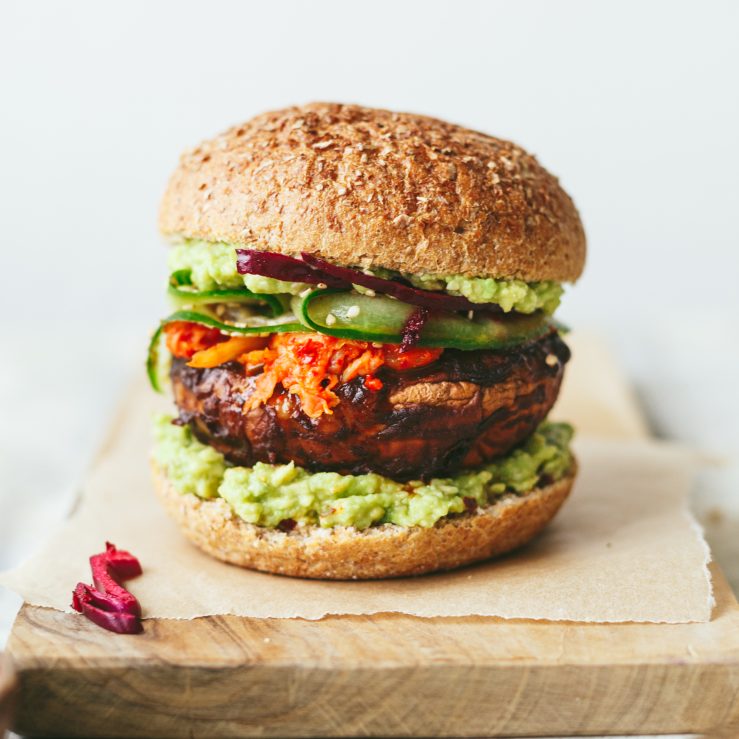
267, 494
524, 297
192, 467
213, 265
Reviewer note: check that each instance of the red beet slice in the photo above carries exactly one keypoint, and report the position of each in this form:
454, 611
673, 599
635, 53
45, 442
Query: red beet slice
109, 604
407, 294
97, 607
111, 566
313, 270
281, 267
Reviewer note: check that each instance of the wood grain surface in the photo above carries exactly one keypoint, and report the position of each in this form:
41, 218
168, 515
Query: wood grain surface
7, 693
387, 675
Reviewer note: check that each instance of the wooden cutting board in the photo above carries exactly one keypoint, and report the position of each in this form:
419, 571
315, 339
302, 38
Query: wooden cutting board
388, 675
7, 693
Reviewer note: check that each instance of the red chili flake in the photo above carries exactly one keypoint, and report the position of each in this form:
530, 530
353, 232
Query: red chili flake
108, 604
372, 383
469, 503
287, 525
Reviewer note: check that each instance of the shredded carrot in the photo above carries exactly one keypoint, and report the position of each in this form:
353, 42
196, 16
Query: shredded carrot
310, 366
226, 351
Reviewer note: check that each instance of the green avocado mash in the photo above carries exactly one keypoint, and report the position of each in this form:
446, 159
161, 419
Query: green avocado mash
191, 466
524, 297
267, 494
213, 265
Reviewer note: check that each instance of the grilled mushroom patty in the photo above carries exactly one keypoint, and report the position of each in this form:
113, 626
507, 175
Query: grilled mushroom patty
460, 411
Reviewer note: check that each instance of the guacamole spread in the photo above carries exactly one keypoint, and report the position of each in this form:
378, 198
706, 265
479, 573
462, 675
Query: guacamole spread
213, 265
267, 494
524, 297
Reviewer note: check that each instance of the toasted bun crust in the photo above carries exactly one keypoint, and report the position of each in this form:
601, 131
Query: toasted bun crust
383, 551
373, 188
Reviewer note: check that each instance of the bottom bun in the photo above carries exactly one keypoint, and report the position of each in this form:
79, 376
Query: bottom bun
345, 553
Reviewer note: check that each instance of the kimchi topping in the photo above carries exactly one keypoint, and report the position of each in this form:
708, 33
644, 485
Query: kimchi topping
185, 339
308, 365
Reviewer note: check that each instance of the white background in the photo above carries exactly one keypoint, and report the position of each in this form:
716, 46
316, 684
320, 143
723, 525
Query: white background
634, 105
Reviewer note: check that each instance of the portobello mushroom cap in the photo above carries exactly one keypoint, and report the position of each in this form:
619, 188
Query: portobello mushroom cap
460, 411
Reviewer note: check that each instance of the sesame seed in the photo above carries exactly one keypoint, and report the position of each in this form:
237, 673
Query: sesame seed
551, 360
330, 319
352, 311
470, 314
321, 285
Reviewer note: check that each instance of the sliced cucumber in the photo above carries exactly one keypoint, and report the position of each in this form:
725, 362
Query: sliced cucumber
152, 360
183, 295
256, 325
348, 315
351, 316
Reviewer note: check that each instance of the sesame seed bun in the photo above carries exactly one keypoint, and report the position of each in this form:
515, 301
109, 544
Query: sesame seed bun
372, 188
344, 553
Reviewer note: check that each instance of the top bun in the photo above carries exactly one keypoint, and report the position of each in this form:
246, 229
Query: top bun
372, 188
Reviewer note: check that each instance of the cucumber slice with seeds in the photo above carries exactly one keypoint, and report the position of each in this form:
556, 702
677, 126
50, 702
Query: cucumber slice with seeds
379, 318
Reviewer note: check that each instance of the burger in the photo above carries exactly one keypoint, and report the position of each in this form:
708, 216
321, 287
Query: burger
362, 352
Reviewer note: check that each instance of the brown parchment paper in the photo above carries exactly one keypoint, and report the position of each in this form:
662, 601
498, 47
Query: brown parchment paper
623, 548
